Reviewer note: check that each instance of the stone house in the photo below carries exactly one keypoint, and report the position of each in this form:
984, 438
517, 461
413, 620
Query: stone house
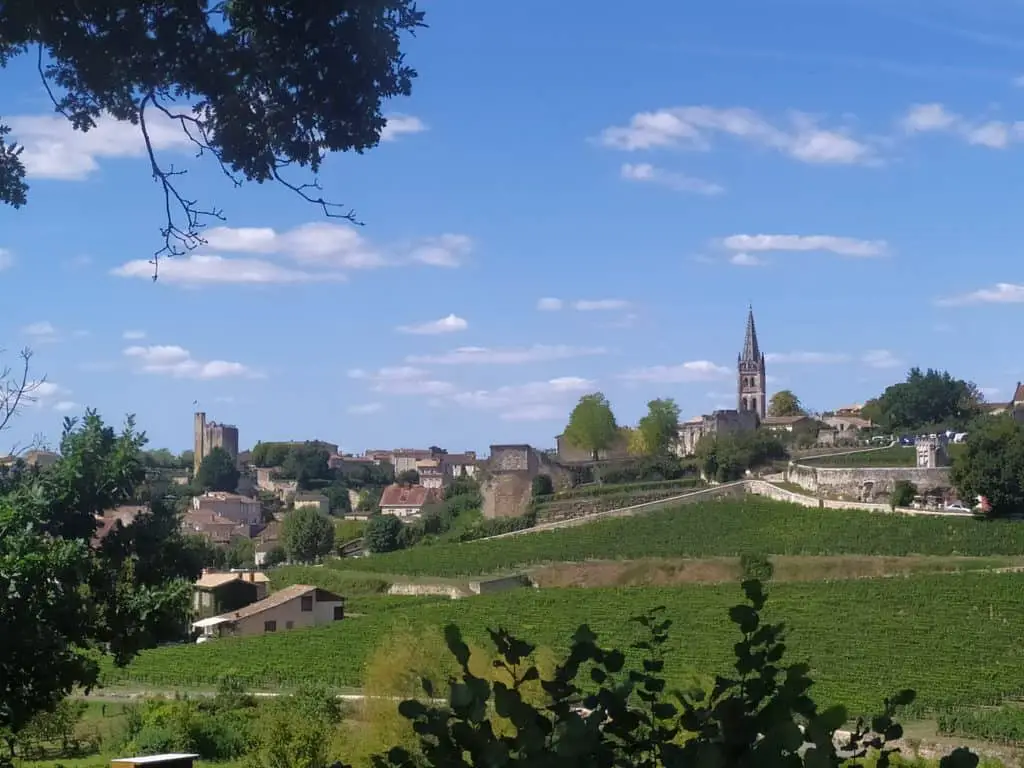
433, 474
294, 607
843, 424
722, 422
406, 500
311, 499
230, 506
787, 423
404, 459
216, 593
460, 464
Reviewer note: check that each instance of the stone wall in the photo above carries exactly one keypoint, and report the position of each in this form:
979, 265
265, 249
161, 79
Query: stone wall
500, 584
422, 590
864, 483
507, 479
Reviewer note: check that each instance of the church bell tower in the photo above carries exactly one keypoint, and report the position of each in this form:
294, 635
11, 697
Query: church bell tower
752, 389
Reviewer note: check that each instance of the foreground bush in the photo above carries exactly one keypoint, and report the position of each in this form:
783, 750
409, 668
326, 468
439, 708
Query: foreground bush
600, 713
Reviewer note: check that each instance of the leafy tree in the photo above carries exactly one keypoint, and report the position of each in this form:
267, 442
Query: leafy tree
307, 535
928, 399
78, 597
203, 553
596, 711
269, 454
992, 465
186, 459
241, 553
218, 472
542, 486
462, 486
339, 499
903, 493
275, 556
592, 425
660, 427
307, 465
160, 458
369, 500
382, 533
271, 506
261, 83
728, 456
785, 403
408, 477
636, 445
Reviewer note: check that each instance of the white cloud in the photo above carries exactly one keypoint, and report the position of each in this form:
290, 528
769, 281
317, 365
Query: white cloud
6, 259
694, 370
743, 259
40, 393
172, 360
881, 358
599, 305
400, 125
450, 324
524, 402
403, 380
695, 126
197, 269
133, 335
510, 356
320, 251
935, 118
808, 358
582, 305
989, 392
66, 405
1000, 293
842, 246
40, 332
680, 182
365, 409
444, 251
54, 150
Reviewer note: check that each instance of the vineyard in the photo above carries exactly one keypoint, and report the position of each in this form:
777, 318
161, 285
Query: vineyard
712, 529
894, 456
953, 638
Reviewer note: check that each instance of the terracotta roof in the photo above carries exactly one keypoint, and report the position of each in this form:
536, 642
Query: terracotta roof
280, 597
405, 496
271, 533
769, 420
214, 580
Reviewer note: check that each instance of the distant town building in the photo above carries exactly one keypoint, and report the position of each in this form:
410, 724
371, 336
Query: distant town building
210, 435
230, 506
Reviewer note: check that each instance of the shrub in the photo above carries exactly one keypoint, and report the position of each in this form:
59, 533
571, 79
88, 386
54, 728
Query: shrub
382, 533
756, 567
903, 493
542, 486
761, 715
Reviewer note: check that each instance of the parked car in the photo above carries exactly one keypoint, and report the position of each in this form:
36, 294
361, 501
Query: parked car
958, 506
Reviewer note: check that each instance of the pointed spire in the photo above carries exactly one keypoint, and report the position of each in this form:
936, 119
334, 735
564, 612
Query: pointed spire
751, 351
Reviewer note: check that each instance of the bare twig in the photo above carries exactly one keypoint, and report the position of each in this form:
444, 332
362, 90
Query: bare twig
16, 390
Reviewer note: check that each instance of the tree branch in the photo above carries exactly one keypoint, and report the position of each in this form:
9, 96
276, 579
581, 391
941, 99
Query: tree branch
16, 389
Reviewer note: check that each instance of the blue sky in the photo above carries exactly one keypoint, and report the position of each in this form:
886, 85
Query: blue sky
572, 199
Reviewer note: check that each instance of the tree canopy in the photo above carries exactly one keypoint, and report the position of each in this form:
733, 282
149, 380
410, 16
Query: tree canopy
785, 403
925, 399
592, 425
660, 427
307, 535
992, 465
80, 594
218, 472
260, 87
382, 533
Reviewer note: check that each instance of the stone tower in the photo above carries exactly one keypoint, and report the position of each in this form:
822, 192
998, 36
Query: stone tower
199, 441
752, 390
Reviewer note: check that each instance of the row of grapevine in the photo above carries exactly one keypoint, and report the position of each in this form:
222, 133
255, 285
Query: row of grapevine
953, 638
711, 529
1004, 724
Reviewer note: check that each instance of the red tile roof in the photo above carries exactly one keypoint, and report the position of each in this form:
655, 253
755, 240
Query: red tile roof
406, 496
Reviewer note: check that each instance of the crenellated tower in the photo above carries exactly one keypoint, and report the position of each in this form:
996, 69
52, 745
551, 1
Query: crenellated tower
752, 386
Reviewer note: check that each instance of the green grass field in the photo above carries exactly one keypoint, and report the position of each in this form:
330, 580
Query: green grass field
896, 456
713, 529
954, 638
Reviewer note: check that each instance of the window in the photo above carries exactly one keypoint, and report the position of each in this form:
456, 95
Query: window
270, 626
289, 624
339, 612
307, 602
